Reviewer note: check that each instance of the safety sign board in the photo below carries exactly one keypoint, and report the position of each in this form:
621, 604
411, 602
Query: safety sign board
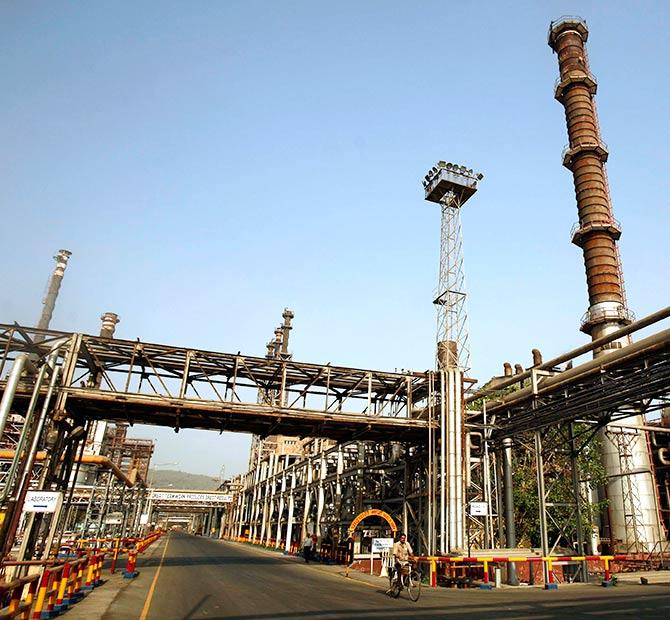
479, 509
379, 545
42, 501
191, 498
114, 518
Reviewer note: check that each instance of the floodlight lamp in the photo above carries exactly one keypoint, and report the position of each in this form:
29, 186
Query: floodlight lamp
441, 163
450, 166
480, 176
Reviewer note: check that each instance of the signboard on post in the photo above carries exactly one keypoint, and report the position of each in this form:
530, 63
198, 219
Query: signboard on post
186, 497
479, 509
144, 519
114, 518
42, 501
379, 545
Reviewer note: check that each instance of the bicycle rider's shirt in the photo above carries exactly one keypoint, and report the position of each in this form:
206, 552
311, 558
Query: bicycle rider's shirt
402, 551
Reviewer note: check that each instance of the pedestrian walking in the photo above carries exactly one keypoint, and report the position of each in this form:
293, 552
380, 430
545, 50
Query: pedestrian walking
307, 548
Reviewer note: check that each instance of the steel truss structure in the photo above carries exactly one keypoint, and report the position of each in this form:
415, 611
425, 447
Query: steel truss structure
283, 499
556, 415
107, 507
628, 382
403, 436
186, 388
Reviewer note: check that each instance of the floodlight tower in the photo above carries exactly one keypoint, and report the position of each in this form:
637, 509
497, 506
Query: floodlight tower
451, 186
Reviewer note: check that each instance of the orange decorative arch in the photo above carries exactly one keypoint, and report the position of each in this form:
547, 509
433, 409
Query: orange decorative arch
373, 512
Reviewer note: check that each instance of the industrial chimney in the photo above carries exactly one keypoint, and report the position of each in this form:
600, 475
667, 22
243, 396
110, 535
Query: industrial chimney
108, 326
597, 231
633, 511
54, 286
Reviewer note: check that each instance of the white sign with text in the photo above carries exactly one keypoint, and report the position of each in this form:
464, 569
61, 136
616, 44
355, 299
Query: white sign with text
42, 501
379, 545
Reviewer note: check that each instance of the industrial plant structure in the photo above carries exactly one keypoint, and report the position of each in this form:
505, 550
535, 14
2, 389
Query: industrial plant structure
425, 449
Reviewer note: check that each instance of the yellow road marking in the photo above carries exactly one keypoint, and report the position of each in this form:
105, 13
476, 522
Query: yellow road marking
150, 594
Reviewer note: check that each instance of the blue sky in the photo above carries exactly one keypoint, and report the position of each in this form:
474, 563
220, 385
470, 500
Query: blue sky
209, 163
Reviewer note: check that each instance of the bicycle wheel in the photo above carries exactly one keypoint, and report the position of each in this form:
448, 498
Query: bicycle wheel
394, 586
414, 585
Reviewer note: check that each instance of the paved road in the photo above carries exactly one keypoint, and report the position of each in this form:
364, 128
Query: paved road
202, 578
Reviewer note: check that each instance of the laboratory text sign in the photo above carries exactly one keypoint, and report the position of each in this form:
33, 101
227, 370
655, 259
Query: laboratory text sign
42, 501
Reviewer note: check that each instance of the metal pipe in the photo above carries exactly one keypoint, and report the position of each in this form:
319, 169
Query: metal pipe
443, 439
576, 491
54, 286
552, 363
459, 460
508, 497
25, 433
10, 389
659, 340
542, 502
24, 480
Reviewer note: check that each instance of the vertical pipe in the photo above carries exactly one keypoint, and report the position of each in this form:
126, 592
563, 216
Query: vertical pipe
10, 389
429, 472
451, 463
459, 461
443, 439
542, 503
510, 527
280, 510
25, 433
576, 491
322, 498
289, 517
23, 481
308, 499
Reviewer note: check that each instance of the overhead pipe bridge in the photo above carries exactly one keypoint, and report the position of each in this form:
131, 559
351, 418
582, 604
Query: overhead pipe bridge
144, 383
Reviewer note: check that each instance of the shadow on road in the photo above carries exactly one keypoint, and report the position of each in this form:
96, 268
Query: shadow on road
649, 605
214, 560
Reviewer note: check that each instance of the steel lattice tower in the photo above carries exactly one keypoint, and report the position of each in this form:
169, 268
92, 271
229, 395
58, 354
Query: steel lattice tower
451, 186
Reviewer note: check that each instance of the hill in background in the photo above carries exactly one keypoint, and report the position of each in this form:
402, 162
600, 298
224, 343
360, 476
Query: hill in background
169, 478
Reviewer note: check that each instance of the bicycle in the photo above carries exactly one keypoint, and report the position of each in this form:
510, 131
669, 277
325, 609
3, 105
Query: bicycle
408, 577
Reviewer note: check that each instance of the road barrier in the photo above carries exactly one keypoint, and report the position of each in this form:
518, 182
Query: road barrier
20, 599
61, 584
446, 565
325, 552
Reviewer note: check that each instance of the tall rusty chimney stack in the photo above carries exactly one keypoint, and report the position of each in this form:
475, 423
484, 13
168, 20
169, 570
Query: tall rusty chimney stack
597, 231
49, 302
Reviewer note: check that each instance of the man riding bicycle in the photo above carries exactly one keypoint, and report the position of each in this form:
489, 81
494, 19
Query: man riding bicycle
403, 555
